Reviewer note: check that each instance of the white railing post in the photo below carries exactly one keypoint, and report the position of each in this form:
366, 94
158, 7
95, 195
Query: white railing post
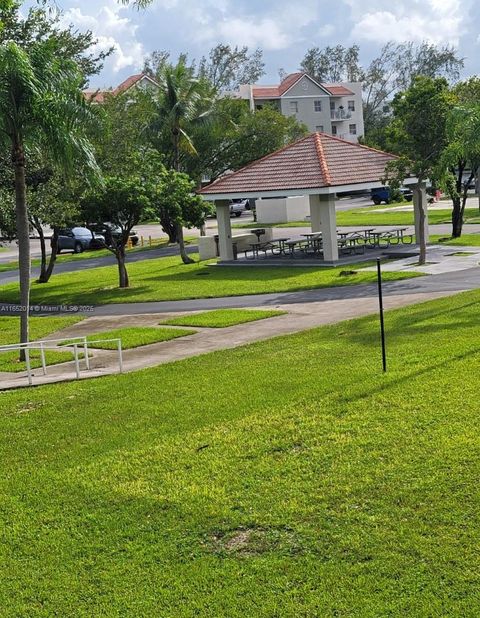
85, 351
77, 364
42, 356
120, 358
29, 368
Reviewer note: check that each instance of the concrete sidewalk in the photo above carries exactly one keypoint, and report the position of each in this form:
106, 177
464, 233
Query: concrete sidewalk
300, 317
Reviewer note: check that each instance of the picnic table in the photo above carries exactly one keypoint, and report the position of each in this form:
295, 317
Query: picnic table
256, 247
356, 234
393, 236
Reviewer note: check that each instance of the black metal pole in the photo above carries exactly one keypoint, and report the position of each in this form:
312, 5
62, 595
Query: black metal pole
382, 324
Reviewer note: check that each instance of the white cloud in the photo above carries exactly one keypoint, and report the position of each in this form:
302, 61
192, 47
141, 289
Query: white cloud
110, 30
275, 30
265, 33
437, 21
326, 30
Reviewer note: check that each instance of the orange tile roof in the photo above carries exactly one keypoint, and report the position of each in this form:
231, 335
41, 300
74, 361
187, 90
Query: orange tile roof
128, 83
264, 92
313, 162
277, 91
337, 91
98, 96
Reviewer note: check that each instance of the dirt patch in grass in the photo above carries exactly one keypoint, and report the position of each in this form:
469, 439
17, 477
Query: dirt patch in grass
253, 541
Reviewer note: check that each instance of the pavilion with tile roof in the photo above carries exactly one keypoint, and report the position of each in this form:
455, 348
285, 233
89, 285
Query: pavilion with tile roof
318, 166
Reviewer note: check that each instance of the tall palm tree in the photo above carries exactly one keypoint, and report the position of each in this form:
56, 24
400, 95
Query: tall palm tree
183, 101
41, 108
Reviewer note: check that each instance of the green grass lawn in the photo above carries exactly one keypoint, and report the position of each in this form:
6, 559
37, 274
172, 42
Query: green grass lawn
39, 327
288, 478
135, 337
9, 361
221, 318
169, 279
465, 240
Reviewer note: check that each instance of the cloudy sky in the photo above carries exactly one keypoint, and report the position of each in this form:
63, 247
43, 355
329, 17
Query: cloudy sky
284, 29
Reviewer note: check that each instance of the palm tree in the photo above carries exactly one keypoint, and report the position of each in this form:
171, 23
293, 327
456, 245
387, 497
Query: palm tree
42, 108
183, 101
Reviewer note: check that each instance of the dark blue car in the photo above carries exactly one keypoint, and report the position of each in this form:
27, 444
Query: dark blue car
382, 194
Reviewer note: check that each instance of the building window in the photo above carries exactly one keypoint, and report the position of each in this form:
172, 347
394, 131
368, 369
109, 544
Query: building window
334, 129
353, 129
351, 106
332, 105
317, 106
294, 107
319, 128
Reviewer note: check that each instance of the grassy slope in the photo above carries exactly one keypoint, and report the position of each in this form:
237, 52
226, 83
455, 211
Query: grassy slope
221, 318
289, 478
39, 327
169, 279
9, 360
137, 336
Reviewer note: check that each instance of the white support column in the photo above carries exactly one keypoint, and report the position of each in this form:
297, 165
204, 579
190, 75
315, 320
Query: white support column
225, 244
323, 219
419, 204
315, 221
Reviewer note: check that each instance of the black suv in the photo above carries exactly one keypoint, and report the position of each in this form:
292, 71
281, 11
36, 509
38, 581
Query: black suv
110, 230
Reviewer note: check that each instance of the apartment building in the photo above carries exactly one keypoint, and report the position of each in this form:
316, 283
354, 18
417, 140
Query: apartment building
328, 108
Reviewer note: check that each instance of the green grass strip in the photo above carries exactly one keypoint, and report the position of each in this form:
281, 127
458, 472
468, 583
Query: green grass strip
135, 337
221, 318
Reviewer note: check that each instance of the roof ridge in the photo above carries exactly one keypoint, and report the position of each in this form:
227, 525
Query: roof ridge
264, 158
322, 159
346, 141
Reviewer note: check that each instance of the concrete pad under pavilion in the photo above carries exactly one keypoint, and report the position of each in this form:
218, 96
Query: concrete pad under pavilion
318, 166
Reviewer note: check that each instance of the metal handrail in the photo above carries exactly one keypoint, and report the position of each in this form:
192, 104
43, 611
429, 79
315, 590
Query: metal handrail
69, 342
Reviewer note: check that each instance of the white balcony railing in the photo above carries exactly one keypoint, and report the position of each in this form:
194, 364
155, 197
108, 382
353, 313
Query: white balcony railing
340, 114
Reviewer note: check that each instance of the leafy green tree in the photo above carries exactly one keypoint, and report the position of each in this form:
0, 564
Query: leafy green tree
235, 137
41, 106
227, 67
333, 64
393, 71
461, 156
181, 103
121, 202
176, 203
50, 203
419, 134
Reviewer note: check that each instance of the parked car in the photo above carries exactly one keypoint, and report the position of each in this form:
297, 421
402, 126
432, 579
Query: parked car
238, 207
109, 230
79, 239
383, 194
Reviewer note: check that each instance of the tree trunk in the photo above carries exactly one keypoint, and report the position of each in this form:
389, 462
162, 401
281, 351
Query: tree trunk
181, 245
123, 281
45, 276
422, 258
179, 226
457, 218
169, 228
21, 216
419, 201
43, 259
477, 186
